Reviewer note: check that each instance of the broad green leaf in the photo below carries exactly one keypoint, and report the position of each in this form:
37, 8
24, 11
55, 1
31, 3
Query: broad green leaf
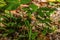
12, 1
25, 1
12, 6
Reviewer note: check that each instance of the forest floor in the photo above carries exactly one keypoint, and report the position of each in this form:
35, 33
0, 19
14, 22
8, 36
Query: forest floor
54, 17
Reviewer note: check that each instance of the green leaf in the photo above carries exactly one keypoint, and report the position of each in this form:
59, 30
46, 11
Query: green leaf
34, 35
45, 10
12, 1
29, 27
2, 3
27, 23
12, 6
39, 11
33, 7
44, 32
25, 1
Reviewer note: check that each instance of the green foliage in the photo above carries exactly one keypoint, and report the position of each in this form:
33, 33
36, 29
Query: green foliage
11, 4
33, 7
13, 24
25, 1
30, 28
11, 21
44, 17
12, 1
7, 32
46, 30
45, 10
2, 3
34, 35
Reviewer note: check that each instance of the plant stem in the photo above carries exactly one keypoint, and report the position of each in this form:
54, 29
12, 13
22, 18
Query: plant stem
30, 32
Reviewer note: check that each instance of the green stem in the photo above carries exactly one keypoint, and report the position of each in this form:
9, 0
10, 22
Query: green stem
30, 32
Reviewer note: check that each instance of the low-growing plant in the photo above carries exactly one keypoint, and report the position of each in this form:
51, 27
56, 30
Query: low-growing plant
14, 24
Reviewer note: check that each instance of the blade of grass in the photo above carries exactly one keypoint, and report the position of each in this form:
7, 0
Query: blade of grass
30, 28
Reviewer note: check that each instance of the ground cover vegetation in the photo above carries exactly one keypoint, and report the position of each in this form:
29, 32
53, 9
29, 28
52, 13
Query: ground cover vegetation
24, 20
